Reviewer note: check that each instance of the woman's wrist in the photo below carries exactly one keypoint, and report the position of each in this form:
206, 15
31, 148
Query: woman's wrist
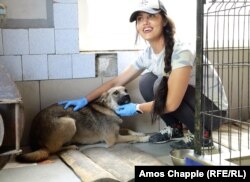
146, 107
138, 109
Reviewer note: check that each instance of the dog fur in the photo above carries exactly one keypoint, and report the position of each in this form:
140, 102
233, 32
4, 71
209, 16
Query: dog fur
55, 127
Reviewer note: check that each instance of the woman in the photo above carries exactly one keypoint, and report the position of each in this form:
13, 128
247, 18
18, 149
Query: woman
168, 84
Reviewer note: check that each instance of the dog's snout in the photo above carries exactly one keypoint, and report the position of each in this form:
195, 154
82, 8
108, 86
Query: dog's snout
124, 100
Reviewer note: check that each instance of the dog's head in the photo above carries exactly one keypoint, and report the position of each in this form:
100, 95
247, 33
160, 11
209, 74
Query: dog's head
114, 97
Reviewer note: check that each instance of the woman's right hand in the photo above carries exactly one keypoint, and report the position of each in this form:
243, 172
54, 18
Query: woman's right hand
78, 103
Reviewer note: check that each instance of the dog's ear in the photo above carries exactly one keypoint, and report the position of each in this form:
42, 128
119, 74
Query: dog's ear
103, 98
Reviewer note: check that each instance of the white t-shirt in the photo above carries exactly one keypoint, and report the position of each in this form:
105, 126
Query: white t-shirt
183, 55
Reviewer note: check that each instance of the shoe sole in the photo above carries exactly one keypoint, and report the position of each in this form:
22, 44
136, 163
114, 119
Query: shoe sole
160, 142
173, 139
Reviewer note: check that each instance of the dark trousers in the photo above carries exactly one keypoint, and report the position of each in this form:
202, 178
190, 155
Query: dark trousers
186, 111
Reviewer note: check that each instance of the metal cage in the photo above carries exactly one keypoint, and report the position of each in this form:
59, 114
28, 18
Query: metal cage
223, 38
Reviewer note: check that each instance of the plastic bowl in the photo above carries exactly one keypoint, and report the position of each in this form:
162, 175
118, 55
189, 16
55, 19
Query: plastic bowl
178, 156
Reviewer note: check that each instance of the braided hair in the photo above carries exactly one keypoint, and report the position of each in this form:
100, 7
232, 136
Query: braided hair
162, 90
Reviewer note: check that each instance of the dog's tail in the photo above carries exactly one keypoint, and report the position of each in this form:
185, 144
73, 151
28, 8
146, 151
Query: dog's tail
36, 156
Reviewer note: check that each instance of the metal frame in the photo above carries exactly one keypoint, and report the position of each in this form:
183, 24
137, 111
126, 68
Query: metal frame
223, 36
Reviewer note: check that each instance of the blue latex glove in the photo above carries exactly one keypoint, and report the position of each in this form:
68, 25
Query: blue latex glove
78, 103
127, 110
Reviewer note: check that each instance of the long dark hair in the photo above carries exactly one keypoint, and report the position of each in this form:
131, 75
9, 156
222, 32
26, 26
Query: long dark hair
162, 90
160, 96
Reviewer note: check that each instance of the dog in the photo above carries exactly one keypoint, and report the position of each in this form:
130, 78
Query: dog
54, 127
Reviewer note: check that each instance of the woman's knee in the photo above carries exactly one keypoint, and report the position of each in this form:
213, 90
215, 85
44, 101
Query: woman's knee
146, 84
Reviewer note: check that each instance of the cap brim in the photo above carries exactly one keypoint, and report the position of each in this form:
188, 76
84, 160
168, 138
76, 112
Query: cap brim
134, 14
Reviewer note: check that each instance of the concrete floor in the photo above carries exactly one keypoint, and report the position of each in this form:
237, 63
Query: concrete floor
55, 169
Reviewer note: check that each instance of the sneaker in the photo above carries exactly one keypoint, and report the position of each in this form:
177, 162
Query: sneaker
188, 142
177, 130
163, 136
167, 134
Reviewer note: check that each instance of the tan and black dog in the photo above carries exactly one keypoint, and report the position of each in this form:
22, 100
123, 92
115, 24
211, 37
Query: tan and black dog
55, 127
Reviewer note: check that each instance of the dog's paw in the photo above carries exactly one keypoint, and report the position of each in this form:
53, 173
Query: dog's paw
131, 132
144, 138
75, 147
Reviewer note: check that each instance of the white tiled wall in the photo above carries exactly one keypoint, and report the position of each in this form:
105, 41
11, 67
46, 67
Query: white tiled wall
67, 41
15, 41
42, 41
64, 17
51, 53
14, 66
47, 53
83, 69
35, 67
57, 63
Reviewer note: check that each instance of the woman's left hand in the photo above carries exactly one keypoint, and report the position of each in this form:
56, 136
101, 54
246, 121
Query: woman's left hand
127, 110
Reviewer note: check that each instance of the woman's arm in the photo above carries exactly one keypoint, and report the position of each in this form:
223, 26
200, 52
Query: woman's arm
177, 86
125, 77
146, 106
